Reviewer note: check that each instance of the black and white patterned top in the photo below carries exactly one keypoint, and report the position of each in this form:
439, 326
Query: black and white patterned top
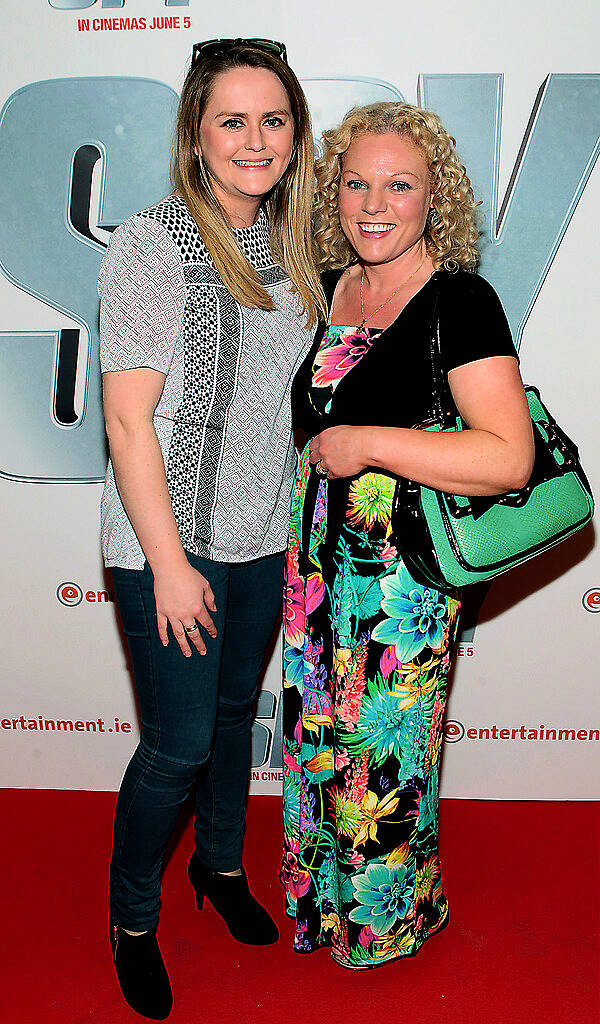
223, 420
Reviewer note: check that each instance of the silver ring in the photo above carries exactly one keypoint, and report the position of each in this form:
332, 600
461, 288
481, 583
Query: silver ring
319, 468
192, 629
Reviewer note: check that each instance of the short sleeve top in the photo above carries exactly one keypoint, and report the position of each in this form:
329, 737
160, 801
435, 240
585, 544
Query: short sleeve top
143, 291
392, 383
223, 419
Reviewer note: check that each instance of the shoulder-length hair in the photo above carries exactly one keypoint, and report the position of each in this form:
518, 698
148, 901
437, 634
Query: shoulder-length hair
288, 206
450, 235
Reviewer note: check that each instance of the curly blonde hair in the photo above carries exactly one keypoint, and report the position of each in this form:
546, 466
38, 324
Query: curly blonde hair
451, 235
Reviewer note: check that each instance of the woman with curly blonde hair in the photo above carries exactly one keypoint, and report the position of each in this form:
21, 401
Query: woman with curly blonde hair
450, 233
367, 646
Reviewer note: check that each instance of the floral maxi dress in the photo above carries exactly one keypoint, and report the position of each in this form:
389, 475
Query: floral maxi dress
366, 658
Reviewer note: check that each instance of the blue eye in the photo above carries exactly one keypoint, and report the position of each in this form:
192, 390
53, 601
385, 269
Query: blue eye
355, 185
400, 186
232, 122
274, 122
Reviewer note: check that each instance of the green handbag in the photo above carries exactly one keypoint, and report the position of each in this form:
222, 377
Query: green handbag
448, 540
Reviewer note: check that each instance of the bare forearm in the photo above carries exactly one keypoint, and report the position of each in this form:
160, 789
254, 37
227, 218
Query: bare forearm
470, 462
140, 476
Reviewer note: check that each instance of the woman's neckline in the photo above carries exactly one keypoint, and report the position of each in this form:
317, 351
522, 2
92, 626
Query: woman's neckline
358, 329
398, 315
260, 222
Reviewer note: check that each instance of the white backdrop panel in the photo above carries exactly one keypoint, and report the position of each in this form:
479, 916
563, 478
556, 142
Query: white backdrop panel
523, 714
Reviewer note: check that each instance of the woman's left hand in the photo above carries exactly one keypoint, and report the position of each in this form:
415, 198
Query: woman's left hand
339, 451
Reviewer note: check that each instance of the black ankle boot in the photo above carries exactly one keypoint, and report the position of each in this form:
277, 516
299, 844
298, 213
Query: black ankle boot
230, 896
141, 972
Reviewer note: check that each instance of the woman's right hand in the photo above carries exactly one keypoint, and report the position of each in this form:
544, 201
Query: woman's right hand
184, 596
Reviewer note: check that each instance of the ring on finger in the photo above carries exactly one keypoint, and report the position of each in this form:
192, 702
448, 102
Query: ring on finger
320, 468
191, 629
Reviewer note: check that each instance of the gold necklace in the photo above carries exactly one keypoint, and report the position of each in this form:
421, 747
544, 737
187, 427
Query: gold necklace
391, 296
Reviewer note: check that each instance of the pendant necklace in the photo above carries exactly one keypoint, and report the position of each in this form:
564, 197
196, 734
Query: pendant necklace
391, 296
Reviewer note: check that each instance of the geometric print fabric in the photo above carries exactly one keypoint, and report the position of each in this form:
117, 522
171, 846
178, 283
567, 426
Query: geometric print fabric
223, 419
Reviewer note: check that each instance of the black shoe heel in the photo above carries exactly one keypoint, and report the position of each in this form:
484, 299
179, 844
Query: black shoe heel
244, 916
141, 972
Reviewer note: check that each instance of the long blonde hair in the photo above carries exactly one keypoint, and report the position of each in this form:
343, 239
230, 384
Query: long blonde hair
450, 234
288, 206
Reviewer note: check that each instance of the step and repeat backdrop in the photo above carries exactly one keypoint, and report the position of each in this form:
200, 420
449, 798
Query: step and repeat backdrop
88, 90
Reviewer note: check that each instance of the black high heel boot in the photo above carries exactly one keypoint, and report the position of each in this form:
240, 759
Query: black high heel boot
141, 972
246, 919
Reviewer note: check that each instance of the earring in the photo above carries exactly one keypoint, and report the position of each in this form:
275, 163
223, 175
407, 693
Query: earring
433, 216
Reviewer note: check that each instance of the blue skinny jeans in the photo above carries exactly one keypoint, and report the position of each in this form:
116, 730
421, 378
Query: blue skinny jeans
196, 728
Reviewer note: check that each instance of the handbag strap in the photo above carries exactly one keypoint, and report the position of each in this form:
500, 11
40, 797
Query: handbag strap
443, 410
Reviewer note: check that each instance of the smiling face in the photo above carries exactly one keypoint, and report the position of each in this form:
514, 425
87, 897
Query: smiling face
384, 197
246, 137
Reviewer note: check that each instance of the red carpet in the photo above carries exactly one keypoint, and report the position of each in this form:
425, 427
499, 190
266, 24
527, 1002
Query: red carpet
521, 947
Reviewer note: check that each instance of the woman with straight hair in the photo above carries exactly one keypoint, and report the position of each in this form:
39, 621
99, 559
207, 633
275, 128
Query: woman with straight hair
368, 646
208, 304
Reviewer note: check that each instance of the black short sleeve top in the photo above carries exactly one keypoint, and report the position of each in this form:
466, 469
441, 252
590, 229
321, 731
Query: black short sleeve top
392, 383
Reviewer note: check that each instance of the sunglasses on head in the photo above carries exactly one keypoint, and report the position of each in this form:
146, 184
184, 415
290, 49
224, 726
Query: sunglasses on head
213, 47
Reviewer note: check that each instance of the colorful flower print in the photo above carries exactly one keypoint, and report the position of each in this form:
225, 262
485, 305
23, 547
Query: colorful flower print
428, 810
294, 619
342, 659
331, 921
339, 352
318, 762
351, 684
388, 662
293, 667
370, 500
320, 513
308, 802
340, 947
415, 616
354, 597
400, 943
372, 810
293, 554
291, 794
342, 760
426, 876
356, 782
295, 878
384, 896
388, 554
334, 886
345, 811
367, 652
315, 592
315, 721
432, 754
382, 727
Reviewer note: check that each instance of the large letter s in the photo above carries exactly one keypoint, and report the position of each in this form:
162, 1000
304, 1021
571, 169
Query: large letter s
53, 136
